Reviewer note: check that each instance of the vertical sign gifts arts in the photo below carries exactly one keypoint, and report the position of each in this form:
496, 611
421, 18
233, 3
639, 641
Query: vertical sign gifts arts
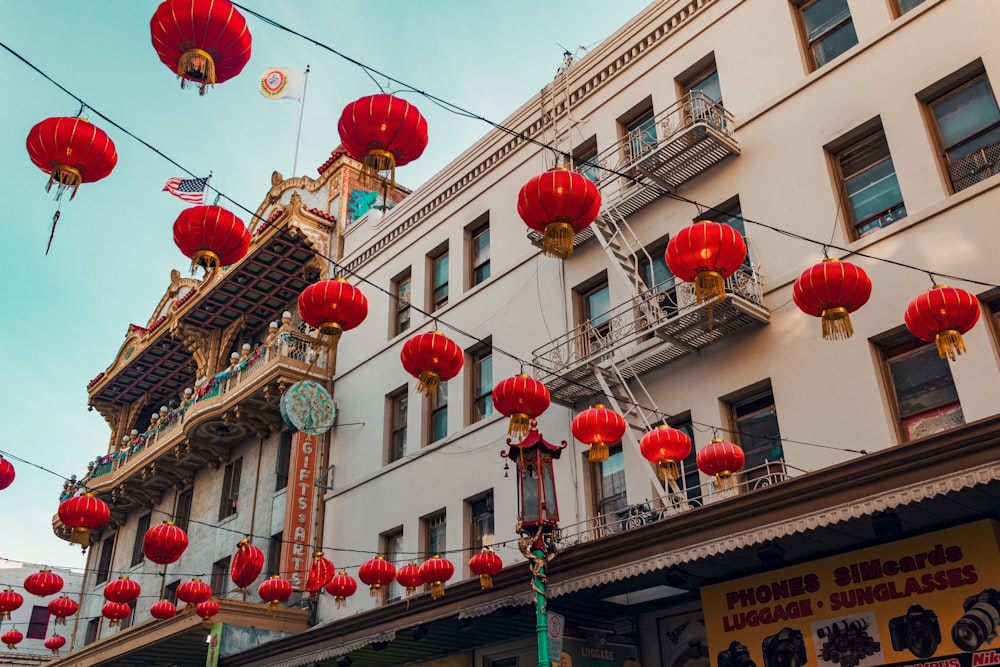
299, 508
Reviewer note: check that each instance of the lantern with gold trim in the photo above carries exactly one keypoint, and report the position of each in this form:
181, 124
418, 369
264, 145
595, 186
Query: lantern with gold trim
321, 570
10, 600
721, 459
832, 290
486, 564
706, 253
409, 578
558, 204
12, 638
333, 307
522, 398
341, 587
165, 543
248, 561
193, 593
598, 427
942, 315
122, 590
203, 41
163, 610
43, 583
666, 447
211, 236
54, 643
207, 610
435, 571
382, 132
83, 514
274, 591
376, 573
62, 607
432, 358
115, 612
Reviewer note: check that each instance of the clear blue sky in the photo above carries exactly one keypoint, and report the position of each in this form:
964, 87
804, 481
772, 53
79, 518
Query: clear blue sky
65, 315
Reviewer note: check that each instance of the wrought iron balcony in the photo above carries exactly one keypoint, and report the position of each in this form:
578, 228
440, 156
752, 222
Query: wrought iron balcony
976, 167
647, 331
177, 440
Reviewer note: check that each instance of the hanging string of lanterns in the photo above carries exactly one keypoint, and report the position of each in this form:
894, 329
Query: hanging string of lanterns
204, 42
62, 607
721, 459
558, 204
165, 543
666, 447
942, 315
83, 514
432, 358
321, 570
12, 638
376, 573
193, 593
832, 290
54, 643
435, 571
706, 253
43, 583
598, 427
382, 132
163, 610
486, 564
247, 564
409, 577
274, 591
522, 398
333, 307
341, 587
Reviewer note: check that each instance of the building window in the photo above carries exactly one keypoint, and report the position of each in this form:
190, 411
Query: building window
170, 591
128, 620
38, 626
640, 134
140, 535
274, 554
439, 280
230, 488
828, 28
481, 521
921, 386
903, 6
396, 406
755, 421
220, 577
596, 305
609, 491
479, 253
438, 405
585, 160
968, 124
435, 534
481, 363
392, 550
104, 562
657, 277
868, 178
182, 510
281, 463
93, 630
706, 93
690, 481
401, 303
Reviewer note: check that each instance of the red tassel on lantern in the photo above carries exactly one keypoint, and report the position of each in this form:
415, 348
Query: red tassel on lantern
487, 565
522, 398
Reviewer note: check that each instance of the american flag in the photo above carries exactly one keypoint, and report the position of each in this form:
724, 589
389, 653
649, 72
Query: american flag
191, 190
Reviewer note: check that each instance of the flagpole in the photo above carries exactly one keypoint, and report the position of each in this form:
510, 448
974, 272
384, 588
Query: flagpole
302, 112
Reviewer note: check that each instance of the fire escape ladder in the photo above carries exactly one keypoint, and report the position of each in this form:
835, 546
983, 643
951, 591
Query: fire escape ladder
624, 249
615, 387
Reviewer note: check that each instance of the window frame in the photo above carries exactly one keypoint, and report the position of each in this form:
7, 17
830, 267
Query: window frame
230, 497
283, 458
435, 300
141, 526
638, 132
391, 547
105, 559
437, 409
810, 43
587, 153
479, 267
604, 505
183, 506
38, 623
402, 290
274, 546
434, 533
476, 356
900, 9
478, 537
863, 140
762, 394
690, 475
397, 413
220, 577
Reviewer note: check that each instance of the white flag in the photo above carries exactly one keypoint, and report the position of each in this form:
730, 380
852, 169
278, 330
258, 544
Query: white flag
282, 82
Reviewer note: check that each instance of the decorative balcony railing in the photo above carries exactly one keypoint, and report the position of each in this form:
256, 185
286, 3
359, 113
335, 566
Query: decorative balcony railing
658, 509
669, 320
285, 346
978, 166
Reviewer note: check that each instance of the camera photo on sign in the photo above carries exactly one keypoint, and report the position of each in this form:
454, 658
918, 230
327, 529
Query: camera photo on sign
848, 641
736, 655
785, 648
978, 625
916, 631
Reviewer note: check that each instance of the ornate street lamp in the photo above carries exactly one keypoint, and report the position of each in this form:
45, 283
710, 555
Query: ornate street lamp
537, 518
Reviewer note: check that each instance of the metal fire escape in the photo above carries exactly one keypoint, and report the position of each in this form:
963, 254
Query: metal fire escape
655, 326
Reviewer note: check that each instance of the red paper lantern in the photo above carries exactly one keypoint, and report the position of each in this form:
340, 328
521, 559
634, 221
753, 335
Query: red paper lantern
54, 643
83, 514
164, 543
706, 253
341, 587
666, 447
211, 236
12, 638
558, 203
163, 610
193, 592
409, 577
832, 290
71, 151
376, 573
321, 570
207, 609
10, 600
432, 358
382, 132
6, 473
942, 315
203, 41
333, 306
248, 561
43, 583
115, 612
721, 459
274, 591
598, 427
62, 607
522, 398
487, 565
122, 589
436, 571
